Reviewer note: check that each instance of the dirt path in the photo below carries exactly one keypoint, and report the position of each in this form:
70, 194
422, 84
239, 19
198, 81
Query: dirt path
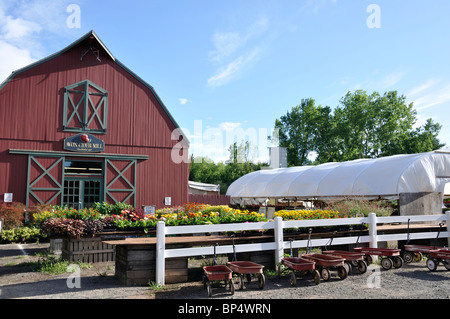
17, 281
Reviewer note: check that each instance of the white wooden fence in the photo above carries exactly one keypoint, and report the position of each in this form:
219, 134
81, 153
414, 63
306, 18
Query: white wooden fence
278, 245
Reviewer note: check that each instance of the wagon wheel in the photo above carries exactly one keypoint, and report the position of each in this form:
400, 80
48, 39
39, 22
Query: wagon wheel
239, 283
325, 274
261, 281
446, 264
230, 283
362, 266
397, 261
248, 277
348, 267
315, 274
293, 279
418, 256
208, 288
368, 259
342, 272
408, 257
386, 263
432, 264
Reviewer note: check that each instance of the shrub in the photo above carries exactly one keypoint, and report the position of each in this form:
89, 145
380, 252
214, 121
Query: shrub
65, 227
22, 235
13, 215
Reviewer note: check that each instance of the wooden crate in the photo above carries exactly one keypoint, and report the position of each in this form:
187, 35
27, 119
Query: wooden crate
88, 250
136, 266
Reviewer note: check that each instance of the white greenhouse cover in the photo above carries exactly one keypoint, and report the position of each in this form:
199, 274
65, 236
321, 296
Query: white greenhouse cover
368, 178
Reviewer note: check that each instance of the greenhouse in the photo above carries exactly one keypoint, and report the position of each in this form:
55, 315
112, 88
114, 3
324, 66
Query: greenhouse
386, 178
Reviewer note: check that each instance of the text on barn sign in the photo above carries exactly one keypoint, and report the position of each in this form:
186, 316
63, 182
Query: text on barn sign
84, 143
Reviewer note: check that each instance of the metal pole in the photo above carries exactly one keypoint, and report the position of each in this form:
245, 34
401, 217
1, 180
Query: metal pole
278, 242
160, 252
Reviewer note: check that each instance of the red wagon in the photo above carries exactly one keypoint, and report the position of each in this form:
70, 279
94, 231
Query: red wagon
217, 273
300, 266
326, 262
248, 269
415, 252
351, 259
438, 256
390, 256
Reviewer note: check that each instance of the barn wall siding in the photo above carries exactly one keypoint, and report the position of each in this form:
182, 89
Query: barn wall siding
31, 117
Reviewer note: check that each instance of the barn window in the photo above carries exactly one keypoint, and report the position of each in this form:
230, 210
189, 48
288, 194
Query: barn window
85, 108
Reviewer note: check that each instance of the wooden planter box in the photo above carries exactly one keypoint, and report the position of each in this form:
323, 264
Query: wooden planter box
136, 266
88, 250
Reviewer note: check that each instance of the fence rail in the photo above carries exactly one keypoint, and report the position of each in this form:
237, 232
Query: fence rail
279, 245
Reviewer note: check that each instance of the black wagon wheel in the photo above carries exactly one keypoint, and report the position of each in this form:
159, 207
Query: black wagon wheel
446, 264
368, 259
316, 276
209, 288
386, 263
230, 283
293, 279
408, 257
239, 282
261, 281
397, 261
342, 272
362, 266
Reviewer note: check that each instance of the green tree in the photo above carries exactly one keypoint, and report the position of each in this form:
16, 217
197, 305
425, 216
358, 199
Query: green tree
297, 132
362, 126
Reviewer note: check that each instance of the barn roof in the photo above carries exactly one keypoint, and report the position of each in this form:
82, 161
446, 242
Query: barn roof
365, 178
91, 35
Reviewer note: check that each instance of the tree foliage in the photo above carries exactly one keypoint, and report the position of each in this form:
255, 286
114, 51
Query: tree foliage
362, 126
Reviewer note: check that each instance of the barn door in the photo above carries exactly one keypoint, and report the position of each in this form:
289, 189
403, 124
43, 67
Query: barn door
120, 181
45, 180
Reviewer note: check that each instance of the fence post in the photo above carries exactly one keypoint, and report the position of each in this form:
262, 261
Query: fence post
373, 230
160, 252
448, 230
278, 242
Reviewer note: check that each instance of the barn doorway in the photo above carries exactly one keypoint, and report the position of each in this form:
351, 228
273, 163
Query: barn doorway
83, 184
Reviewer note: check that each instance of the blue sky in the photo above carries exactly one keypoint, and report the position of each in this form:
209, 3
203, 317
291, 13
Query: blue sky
221, 66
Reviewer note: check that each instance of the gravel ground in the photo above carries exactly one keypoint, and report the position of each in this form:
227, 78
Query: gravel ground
412, 281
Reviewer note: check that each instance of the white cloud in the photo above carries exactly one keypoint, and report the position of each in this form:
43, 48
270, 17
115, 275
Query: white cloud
429, 94
23, 25
12, 58
183, 101
390, 80
228, 72
238, 47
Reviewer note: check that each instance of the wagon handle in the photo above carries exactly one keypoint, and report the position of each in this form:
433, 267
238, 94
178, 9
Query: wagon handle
331, 240
290, 244
309, 246
215, 260
234, 248
409, 236
441, 224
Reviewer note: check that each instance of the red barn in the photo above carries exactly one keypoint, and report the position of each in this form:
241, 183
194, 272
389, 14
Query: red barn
79, 127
